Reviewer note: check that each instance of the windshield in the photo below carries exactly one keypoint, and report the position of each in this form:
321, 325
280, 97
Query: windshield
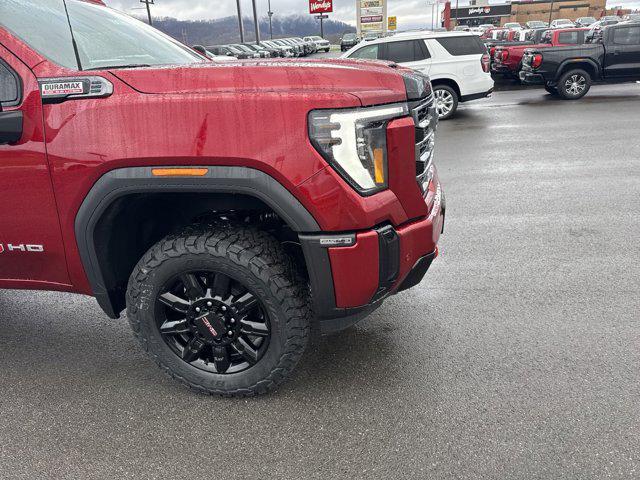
349, 36
105, 38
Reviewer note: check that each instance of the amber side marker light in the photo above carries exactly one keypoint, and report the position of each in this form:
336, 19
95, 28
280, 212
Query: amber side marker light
179, 172
378, 165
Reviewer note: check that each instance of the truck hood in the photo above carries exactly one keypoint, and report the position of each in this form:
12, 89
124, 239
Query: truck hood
372, 82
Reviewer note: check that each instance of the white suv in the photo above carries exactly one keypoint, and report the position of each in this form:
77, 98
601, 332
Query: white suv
321, 43
457, 63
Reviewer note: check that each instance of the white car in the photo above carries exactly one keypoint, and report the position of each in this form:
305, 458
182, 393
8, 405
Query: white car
321, 43
513, 26
456, 62
562, 23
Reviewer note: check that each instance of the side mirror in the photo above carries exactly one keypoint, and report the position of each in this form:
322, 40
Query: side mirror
200, 49
10, 126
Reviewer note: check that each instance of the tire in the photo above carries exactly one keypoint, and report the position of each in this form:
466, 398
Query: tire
552, 90
254, 263
574, 84
446, 101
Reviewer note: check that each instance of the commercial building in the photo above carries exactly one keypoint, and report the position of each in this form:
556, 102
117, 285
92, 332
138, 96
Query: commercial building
481, 12
523, 12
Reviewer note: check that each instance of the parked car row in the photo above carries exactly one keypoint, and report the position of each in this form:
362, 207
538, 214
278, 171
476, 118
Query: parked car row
280, 47
513, 29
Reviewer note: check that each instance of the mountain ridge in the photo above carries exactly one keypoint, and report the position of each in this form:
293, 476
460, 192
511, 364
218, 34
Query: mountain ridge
225, 30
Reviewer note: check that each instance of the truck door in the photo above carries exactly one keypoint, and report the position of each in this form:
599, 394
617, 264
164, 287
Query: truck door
31, 249
622, 57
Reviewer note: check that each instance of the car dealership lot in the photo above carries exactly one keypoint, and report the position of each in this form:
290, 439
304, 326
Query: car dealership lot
517, 357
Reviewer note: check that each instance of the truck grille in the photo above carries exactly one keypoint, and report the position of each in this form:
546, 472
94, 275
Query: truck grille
426, 120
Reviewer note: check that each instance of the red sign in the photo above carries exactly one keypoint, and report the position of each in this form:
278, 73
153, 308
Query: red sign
320, 6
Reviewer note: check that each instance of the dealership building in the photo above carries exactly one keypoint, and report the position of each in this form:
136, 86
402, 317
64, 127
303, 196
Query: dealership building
481, 12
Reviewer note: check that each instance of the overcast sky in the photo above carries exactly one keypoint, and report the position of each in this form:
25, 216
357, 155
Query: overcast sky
408, 11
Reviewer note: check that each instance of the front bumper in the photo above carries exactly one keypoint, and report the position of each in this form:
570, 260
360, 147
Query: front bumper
349, 282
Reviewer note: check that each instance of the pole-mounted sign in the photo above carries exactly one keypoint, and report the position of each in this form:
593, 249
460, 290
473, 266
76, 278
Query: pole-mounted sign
320, 6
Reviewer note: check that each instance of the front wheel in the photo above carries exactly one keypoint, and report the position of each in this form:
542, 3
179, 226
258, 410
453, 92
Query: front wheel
574, 84
446, 101
221, 309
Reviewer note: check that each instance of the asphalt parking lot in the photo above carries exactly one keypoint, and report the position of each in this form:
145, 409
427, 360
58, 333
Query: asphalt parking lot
517, 357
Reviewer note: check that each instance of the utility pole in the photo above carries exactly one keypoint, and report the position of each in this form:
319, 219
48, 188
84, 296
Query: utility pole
456, 13
255, 22
434, 13
321, 17
240, 21
550, 12
270, 13
148, 3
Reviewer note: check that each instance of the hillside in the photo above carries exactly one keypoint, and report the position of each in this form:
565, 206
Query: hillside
225, 30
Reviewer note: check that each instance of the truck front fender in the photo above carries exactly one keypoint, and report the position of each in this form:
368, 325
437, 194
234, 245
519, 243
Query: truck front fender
139, 180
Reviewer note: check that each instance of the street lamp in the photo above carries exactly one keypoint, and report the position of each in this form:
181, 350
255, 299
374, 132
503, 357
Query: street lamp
270, 13
240, 21
255, 22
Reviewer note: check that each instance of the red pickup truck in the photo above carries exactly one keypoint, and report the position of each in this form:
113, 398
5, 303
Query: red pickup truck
507, 59
226, 207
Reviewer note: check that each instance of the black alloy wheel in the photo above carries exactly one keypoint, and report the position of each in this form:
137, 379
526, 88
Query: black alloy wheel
213, 322
222, 308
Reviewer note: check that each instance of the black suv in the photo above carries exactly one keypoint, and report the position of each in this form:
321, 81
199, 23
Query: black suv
349, 40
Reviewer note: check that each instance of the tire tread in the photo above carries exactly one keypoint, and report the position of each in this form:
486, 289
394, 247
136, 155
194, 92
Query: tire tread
254, 250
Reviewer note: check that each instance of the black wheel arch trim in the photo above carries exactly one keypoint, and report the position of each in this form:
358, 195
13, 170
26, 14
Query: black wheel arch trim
569, 64
126, 181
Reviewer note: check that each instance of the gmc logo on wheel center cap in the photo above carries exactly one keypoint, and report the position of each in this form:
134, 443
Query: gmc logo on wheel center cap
209, 327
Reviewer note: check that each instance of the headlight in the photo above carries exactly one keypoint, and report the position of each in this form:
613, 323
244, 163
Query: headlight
354, 142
